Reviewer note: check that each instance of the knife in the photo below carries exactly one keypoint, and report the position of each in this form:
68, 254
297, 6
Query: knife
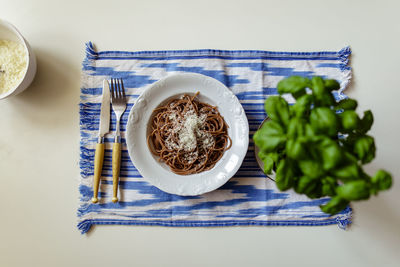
104, 128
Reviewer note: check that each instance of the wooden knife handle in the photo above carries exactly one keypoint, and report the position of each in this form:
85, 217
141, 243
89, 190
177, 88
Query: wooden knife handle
98, 166
116, 165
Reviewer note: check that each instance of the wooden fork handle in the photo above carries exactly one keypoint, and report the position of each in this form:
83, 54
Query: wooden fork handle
98, 165
116, 165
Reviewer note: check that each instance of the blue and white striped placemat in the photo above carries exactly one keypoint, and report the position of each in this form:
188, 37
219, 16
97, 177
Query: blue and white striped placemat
249, 198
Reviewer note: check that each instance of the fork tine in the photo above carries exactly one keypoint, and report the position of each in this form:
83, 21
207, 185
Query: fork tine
112, 89
123, 88
118, 87
115, 89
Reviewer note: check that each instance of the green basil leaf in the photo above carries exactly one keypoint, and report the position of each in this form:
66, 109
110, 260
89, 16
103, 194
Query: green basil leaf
329, 185
270, 137
303, 105
284, 175
335, 205
295, 149
331, 153
311, 168
268, 165
318, 86
294, 85
348, 142
292, 111
331, 85
328, 190
364, 148
274, 156
347, 173
354, 190
306, 185
268, 161
317, 190
323, 120
322, 96
296, 127
277, 109
309, 131
347, 104
382, 180
350, 158
350, 120
366, 122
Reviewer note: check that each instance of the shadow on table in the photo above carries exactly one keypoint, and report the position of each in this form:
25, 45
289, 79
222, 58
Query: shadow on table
52, 98
378, 218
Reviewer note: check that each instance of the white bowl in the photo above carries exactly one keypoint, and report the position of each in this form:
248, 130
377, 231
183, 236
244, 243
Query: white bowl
9, 32
212, 92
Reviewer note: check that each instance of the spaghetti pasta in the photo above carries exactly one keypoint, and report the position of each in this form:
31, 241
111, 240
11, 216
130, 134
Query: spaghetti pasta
188, 135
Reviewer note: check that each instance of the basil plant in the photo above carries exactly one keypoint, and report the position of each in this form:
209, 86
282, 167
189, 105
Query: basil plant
317, 146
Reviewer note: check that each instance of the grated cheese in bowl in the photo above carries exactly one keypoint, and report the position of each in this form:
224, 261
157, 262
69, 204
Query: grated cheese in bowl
13, 64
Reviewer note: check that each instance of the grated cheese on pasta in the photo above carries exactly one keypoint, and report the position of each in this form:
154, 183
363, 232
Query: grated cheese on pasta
190, 132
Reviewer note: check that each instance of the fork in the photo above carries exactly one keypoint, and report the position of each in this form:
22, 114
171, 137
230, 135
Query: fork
118, 101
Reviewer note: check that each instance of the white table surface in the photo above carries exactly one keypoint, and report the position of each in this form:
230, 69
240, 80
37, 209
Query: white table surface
39, 137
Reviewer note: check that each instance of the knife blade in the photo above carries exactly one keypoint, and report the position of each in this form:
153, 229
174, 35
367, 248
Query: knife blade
104, 127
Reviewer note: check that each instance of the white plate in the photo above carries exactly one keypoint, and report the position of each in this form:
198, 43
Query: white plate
212, 92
